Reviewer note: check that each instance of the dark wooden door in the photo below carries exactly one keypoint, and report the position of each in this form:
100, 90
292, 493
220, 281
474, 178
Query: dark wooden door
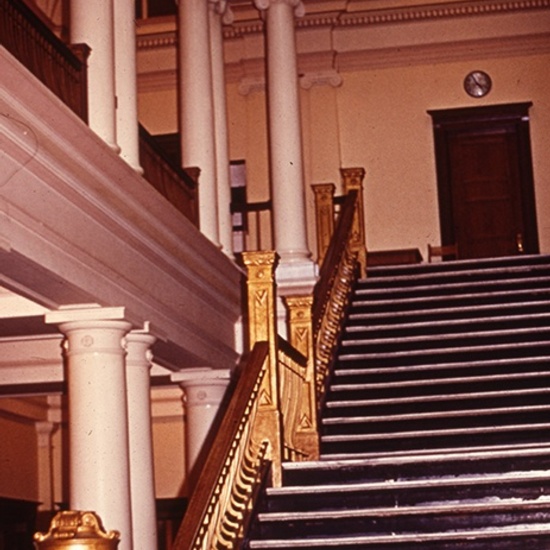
485, 182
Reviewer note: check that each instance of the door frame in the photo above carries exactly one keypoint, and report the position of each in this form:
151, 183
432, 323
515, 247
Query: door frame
446, 121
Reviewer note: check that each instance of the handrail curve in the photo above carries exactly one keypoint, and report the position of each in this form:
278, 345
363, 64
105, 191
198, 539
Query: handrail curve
219, 505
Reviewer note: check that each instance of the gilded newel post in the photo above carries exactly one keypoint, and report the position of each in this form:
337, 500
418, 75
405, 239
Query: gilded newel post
324, 217
262, 320
352, 180
300, 331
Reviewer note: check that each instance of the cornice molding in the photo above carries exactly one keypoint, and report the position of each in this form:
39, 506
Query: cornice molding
428, 12
475, 8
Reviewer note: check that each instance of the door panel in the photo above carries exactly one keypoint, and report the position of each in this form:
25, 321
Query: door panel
485, 184
486, 195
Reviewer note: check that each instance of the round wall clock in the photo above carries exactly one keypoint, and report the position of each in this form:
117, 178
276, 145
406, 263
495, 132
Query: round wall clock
477, 83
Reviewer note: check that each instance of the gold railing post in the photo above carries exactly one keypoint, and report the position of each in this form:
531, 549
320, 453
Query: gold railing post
324, 216
262, 320
352, 180
300, 332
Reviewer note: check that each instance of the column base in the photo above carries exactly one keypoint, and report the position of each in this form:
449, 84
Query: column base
294, 276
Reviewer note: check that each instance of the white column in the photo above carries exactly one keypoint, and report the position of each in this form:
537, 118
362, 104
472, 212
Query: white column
204, 390
126, 82
92, 24
296, 272
142, 478
197, 132
98, 422
220, 13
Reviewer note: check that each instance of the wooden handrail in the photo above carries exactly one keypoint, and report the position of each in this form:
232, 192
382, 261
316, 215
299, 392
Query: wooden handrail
206, 525
332, 293
333, 257
172, 181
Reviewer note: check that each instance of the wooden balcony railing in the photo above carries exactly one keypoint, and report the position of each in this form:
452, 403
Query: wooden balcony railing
60, 68
63, 70
250, 221
179, 186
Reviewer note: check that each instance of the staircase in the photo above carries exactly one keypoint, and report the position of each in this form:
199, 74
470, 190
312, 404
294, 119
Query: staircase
436, 428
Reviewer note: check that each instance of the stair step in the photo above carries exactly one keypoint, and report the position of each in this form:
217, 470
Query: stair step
456, 353
404, 541
438, 370
485, 265
457, 312
448, 326
475, 298
434, 341
455, 278
416, 418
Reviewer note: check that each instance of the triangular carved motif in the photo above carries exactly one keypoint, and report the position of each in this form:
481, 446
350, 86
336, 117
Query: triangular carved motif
302, 333
305, 423
260, 296
265, 398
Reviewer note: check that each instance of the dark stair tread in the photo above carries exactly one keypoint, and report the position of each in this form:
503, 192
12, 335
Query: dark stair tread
415, 417
398, 484
452, 337
439, 381
519, 320
460, 312
435, 433
458, 507
443, 453
457, 266
542, 529
429, 367
425, 301
453, 350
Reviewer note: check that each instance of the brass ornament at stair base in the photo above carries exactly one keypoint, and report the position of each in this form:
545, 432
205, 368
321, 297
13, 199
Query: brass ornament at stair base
76, 530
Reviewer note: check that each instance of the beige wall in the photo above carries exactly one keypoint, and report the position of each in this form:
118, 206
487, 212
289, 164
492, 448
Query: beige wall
378, 119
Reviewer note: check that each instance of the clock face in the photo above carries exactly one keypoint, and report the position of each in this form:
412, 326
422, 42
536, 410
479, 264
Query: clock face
477, 83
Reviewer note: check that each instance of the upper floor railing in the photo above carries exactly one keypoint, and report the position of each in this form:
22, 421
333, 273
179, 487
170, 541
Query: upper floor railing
63, 70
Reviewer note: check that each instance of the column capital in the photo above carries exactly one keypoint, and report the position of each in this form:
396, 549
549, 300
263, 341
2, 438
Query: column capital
298, 5
202, 386
222, 8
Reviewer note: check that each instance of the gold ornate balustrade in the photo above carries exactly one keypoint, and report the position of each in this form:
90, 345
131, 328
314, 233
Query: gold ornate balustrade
272, 415
327, 207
